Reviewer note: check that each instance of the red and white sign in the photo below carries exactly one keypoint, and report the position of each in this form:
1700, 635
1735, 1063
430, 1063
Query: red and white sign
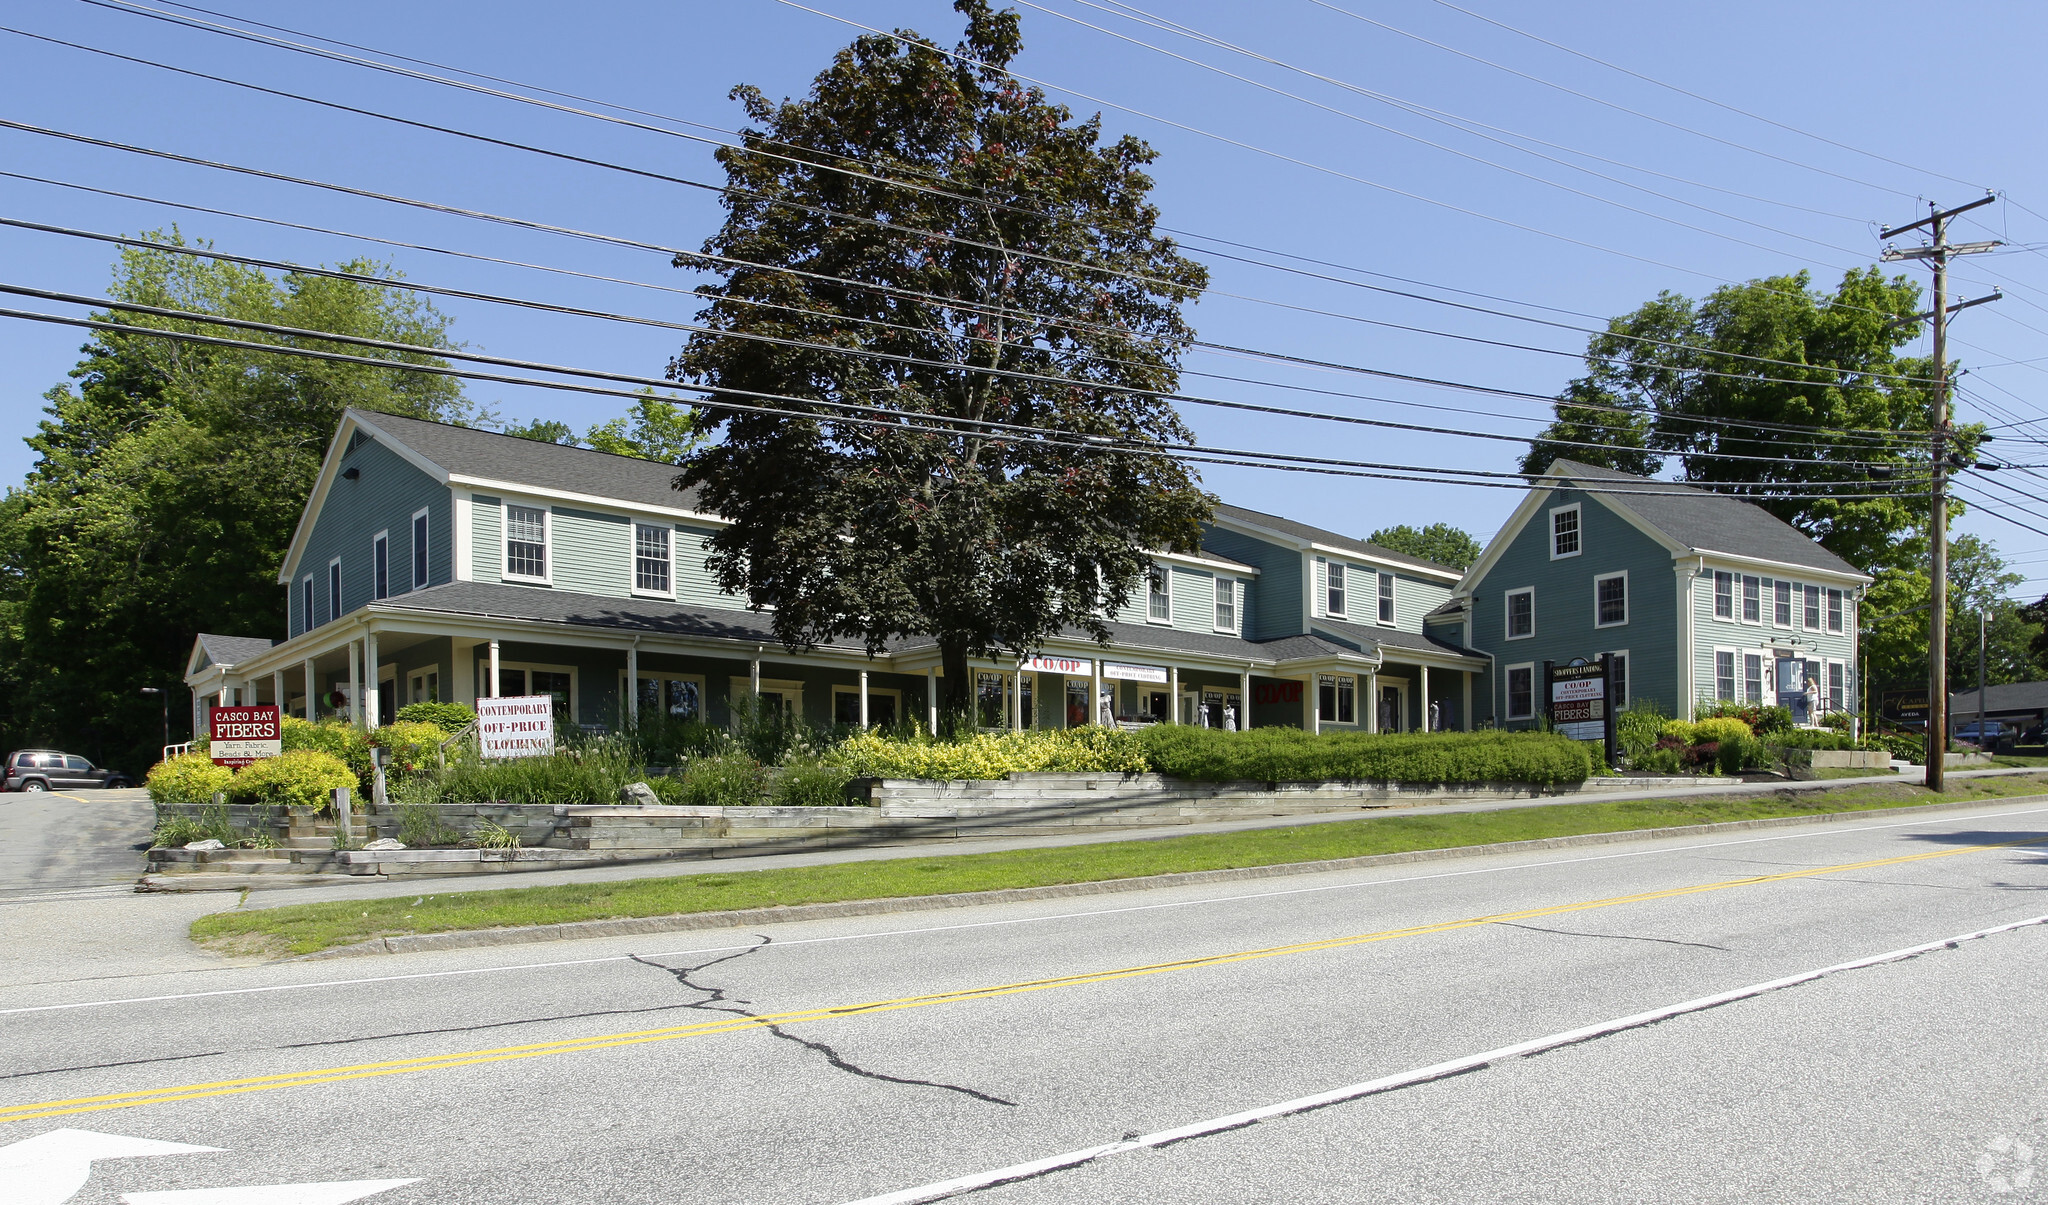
1133, 673
236, 736
521, 726
1072, 667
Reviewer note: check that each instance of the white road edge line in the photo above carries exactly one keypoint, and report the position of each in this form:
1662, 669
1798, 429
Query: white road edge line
1828, 830
1473, 1062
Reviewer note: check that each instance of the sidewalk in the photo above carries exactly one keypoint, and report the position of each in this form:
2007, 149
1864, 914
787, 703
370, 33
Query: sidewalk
672, 868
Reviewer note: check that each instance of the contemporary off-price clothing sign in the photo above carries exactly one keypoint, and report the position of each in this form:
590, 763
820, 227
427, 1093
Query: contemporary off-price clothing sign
521, 726
237, 736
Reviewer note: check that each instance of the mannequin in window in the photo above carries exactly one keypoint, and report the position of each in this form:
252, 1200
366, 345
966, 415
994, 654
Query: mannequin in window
1230, 717
1386, 716
1435, 723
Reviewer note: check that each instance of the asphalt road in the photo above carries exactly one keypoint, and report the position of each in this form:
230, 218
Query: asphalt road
641, 1071
73, 840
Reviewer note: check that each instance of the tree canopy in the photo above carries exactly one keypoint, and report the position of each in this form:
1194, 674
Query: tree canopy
1010, 273
1439, 542
168, 479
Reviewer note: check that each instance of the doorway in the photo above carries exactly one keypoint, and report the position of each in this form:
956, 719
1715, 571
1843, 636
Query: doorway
1393, 705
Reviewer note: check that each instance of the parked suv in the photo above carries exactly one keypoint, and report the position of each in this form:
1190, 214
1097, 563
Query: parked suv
1980, 734
49, 770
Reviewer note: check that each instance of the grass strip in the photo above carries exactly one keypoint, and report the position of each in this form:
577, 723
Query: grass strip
306, 928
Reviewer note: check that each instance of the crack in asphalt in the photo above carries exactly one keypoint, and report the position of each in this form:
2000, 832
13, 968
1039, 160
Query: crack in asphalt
716, 1000
1669, 941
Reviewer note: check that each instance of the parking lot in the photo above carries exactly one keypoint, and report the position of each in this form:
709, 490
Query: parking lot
68, 841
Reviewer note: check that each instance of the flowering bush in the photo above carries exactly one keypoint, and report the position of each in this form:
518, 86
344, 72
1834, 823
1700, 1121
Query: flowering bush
301, 778
190, 778
992, 754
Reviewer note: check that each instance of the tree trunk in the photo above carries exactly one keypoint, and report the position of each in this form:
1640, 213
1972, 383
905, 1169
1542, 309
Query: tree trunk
956, 687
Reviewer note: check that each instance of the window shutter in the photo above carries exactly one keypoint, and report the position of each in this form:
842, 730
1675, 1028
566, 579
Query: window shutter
1321, 598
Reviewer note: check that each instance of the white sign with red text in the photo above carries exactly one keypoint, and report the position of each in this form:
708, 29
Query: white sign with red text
1072, 667
521, 726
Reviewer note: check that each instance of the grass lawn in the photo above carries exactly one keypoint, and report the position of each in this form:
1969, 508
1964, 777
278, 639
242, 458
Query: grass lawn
305, 928
2013, 762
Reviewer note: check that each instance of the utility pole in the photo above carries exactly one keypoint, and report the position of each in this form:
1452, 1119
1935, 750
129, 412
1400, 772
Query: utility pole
1938, 252
1983, 623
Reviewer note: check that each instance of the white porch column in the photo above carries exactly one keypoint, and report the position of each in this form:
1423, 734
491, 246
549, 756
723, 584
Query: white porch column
312, 691
1425, 699
633, 682
1465, 709
277, 694
1173, 694
373, 702
1017, 700
491, 683
1244, 699
931, 698
462, 655
754, 676
863, 700
1313, 706
1372, 700
1095, 693
355, 686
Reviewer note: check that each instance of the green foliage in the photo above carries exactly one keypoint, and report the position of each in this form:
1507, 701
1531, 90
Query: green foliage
1736, 750
190, 778
420, 825
734, 780
336, 738
981, 755
1638, 728
590, 774
660, 739
666, 788
1291, 755
543, 430
450, 718
1812, 738
167, 482
1759, 718
1901, 745
411, 745
1685, 732
987, 545
300, 778
810, 784
1721, 728
1659, 761
769, 732
489, 834
1838, 721
1439, 542
656, 428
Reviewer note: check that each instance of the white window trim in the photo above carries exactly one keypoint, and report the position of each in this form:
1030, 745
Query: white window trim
1506, 696
742, 686
1714, 673
547, 545
384, 538
1840, 597
1628, 696
1820, 612
336, 586
1555, 511
307, 601
1608, 577
1393, 597
1734, 597
633, 560
1357, 719
416, 676
1741, 596
662, 675
1791, 603
1236, 605
876, 692
1165, 573
1507, 617
483, 674
1337, 569
422, 550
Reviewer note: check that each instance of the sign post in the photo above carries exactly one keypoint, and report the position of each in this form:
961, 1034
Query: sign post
1579, 699
520, 726
237, 736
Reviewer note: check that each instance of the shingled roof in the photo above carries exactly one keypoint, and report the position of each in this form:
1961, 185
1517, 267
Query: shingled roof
230, 650
1704, 521
1321, 535
471, 452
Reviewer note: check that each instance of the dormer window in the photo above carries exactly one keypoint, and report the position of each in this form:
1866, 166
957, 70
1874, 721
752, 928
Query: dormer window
1564, 532
1158, 603
1334, 602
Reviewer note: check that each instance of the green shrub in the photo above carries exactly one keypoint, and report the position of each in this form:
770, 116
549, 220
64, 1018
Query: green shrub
420, 824
1812, 738
1720, 729
1737, 749
734, 780
1685, 732
668, 790
1291, 755
337, 738
450, 718
810, 785
187, 778
1638, 728
1902, 745
1761, 720
984, 755
301, 778
1659, 760
489, 834
411, 744
1839, 721
567, 776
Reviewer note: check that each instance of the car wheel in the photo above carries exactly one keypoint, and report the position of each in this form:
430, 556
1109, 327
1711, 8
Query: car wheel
36, 785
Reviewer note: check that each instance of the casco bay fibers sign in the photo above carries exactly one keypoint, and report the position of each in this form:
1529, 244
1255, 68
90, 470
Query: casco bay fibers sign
521, 726
237, 736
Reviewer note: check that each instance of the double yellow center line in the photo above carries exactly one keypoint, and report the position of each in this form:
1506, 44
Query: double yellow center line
502, 1054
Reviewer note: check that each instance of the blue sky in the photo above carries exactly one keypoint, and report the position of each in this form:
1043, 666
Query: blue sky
1265, 169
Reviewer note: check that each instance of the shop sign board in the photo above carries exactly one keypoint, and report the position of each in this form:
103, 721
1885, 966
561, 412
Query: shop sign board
1072, 667
1134, 673
1580, 704
1904, 706
236, 736
520, 726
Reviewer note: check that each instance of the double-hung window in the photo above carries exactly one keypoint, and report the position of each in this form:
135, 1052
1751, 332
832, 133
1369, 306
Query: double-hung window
1724, 595
1564, 532
1337, 698
1386, 598
1781, 603
1838, 682
1752, 677
1752, 600
380, 565
307, 620
419, 550
1521, 613
1521, 692
1334, 598
1617, 664
651, 559
526, 543
1610, 600
1226, 604
1724, 674
334, 588
1158, 602
1812, 609
1835, 613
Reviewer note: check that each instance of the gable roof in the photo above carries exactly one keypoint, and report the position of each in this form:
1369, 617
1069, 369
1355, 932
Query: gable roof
470, 452
1320, 535
1704, 521
209, 649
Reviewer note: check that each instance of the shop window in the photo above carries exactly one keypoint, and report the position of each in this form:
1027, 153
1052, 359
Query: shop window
993, 700
1337, 698
424, 687
670, 696
883, 706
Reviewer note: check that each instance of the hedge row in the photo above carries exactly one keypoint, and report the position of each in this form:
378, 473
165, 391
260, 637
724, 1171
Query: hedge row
1291, 755
992, 754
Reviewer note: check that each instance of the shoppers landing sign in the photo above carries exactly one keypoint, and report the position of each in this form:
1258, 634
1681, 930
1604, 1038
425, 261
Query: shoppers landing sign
236, 736
522, 726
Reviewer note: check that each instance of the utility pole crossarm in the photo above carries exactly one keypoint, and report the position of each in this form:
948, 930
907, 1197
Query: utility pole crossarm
1940, 216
